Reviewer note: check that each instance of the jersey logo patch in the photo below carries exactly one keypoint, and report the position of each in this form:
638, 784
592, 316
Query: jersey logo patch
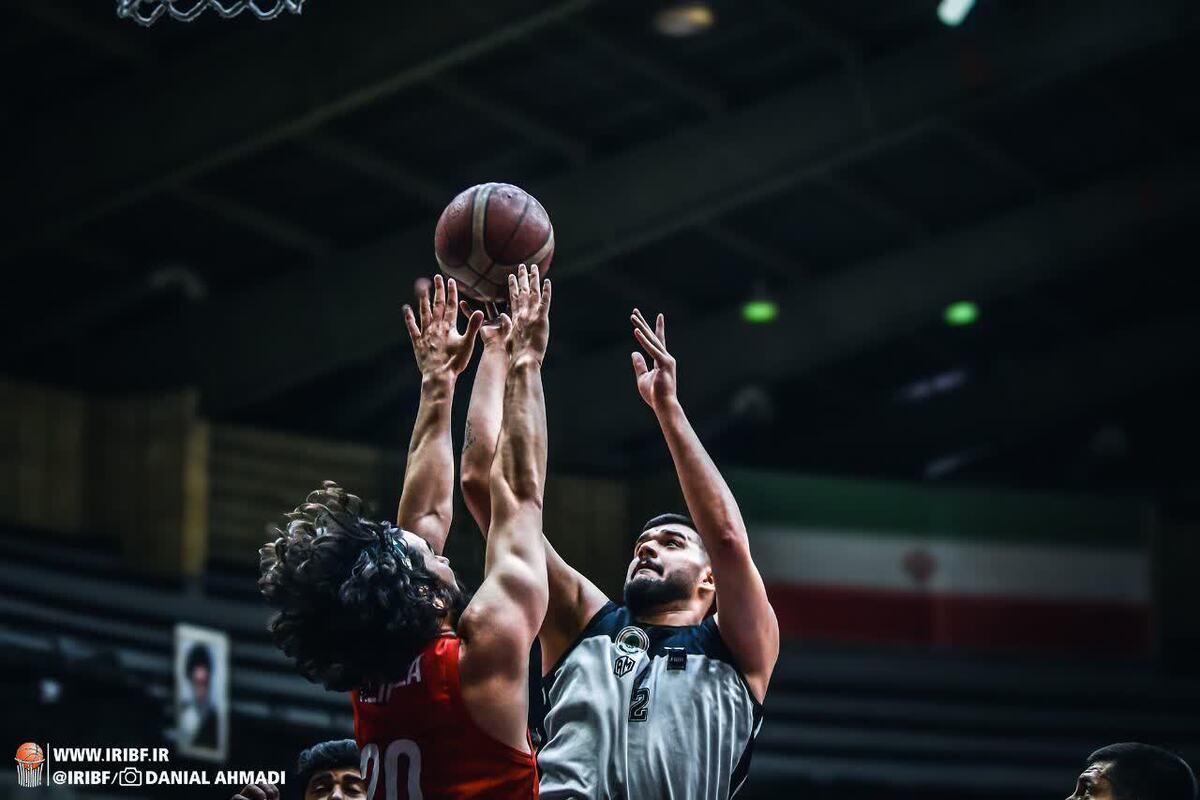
632, 640
622, 666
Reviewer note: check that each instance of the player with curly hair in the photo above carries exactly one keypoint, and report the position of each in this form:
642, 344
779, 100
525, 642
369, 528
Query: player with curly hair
438, 684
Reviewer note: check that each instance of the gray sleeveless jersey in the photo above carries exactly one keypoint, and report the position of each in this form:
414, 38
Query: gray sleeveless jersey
641, 712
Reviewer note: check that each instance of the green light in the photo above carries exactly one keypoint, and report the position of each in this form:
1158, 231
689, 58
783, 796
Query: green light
759, 311
961, 313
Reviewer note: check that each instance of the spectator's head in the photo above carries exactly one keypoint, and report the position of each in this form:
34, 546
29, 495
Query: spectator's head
357, 599
198, 670
329, 771
1133, 771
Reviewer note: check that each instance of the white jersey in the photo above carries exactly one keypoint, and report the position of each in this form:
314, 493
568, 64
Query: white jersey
646, 711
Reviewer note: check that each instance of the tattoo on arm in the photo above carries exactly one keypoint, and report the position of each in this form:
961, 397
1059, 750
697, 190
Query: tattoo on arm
468, 437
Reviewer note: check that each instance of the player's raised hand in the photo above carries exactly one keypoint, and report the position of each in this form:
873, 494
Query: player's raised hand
258, 791
655, 384
529, 306
495, 329
439, 348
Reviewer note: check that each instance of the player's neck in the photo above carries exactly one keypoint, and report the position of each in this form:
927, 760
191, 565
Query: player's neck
671, 614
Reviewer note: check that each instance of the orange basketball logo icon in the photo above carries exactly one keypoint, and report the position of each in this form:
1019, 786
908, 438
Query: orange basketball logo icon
31, 765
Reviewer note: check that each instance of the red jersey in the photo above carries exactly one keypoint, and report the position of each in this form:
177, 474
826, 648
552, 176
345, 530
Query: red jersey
419, 729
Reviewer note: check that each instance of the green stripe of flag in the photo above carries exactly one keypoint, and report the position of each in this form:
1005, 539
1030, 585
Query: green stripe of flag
942, 513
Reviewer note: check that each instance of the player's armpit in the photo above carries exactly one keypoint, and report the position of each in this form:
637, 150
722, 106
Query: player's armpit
574, 600
504, 616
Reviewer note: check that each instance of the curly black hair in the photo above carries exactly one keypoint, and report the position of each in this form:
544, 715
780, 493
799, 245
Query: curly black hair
355, 603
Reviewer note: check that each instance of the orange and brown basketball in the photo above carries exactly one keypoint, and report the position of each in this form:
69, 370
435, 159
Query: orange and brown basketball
30, 756
486, 233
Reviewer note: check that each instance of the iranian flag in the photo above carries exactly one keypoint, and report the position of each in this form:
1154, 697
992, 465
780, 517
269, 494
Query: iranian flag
854, 561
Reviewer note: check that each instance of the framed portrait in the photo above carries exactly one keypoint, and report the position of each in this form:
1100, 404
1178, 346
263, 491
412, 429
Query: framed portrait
201, 692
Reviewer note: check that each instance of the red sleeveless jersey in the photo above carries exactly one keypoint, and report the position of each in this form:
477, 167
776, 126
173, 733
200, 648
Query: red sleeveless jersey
419, 741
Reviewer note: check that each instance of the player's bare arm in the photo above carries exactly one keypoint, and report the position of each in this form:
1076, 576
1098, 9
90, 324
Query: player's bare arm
442, 353
573, 598
746, 620
483, 421
506, 613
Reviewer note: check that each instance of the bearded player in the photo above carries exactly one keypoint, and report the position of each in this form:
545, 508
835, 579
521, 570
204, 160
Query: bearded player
438, 685
657, 697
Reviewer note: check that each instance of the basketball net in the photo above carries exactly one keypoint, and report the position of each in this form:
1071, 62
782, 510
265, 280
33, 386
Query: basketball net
148, 12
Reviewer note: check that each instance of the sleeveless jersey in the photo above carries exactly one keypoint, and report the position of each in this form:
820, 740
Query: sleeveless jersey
419, 742
646, 711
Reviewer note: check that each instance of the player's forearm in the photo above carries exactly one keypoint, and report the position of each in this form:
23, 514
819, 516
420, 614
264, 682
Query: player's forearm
520, 464
427, 496
709, 499
482, 430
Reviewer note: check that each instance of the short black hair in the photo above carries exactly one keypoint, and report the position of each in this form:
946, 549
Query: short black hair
198, 656
670, 518
336, 754
355, 603
1146, 772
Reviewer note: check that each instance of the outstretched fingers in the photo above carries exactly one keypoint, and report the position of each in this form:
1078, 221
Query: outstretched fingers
647, 337
425, 311
657, 353
514, 292
535, 284
474, 323
452, 303
439, 294
410, 322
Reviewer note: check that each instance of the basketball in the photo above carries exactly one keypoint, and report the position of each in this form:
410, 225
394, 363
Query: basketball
486, 233
30, 755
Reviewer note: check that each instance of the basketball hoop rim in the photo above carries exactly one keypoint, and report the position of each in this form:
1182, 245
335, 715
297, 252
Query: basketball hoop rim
132, 9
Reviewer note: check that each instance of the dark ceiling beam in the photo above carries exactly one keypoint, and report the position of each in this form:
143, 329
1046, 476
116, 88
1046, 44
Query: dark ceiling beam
674, 82
703, 172
997, 156
75, 23
212, 109
883, 210
780, 264
271, 227
611, 207
367, 162
882, 299
837, 42
535, 131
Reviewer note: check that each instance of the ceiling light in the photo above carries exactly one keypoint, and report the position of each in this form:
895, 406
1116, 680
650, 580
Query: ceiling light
759, 312
964, 312
953, 12
684, 19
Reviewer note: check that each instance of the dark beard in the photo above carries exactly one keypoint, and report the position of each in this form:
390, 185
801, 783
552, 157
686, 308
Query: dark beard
645, 594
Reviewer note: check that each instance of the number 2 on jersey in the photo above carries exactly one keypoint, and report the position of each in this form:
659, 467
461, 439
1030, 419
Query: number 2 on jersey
637, 705
391, 758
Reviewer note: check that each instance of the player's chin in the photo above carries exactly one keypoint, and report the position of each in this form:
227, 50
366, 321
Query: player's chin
446, 575
643, 578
